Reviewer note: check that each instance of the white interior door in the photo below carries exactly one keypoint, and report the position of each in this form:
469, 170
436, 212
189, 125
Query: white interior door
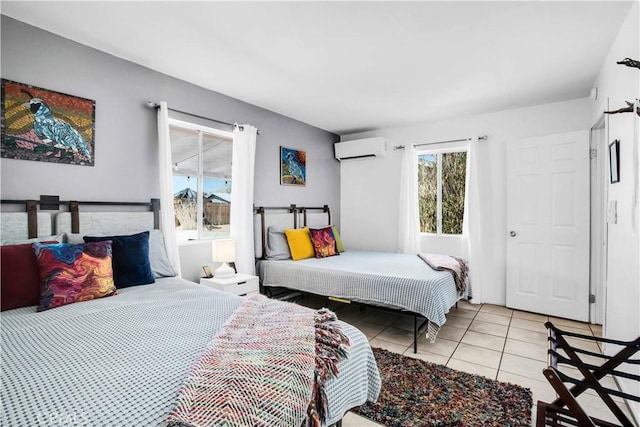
548, 225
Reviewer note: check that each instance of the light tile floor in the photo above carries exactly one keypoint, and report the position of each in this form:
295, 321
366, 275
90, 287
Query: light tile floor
493, 341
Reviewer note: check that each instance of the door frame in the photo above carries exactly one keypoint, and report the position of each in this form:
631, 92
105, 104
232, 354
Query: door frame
598, 192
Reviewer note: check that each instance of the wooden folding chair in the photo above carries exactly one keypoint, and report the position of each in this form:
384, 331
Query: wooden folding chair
566, 410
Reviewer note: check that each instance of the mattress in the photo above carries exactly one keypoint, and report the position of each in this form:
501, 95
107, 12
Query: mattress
121, 360
400, 281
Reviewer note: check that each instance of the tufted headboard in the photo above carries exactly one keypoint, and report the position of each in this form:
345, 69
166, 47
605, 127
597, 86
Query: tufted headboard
34, 223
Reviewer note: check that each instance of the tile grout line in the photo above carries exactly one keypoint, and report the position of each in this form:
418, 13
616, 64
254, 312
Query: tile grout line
465, 332
504, 346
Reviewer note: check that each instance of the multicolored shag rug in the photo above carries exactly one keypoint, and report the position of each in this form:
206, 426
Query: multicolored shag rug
419, 393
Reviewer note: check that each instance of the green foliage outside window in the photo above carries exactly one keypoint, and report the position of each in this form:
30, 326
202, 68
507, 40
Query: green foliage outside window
454, 166
428, 193
454, 172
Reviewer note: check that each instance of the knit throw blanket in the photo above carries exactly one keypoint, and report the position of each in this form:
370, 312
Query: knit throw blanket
457, 266
267, 366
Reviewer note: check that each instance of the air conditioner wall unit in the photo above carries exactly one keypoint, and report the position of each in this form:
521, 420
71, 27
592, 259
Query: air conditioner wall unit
361, 148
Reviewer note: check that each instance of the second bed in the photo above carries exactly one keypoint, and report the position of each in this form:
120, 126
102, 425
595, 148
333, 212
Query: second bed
391, 280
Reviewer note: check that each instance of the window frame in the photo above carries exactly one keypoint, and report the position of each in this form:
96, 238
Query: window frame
201, 130
443, 148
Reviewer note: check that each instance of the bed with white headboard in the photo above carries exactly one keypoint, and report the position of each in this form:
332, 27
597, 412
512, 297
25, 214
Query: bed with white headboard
119, 359
392, 280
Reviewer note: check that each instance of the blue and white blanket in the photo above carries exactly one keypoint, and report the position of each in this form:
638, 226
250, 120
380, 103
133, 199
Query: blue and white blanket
400, 281
120, 361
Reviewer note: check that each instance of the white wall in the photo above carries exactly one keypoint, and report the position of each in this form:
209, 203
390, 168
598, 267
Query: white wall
369, 187
193, 256
617, 83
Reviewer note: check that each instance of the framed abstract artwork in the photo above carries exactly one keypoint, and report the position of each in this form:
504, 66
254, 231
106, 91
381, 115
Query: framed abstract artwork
293, 167
44, 125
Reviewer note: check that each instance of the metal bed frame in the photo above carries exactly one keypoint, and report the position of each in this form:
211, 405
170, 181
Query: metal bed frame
53, 203
289, 293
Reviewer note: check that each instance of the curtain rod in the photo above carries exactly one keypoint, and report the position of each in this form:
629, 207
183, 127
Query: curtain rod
480, 138
155, 105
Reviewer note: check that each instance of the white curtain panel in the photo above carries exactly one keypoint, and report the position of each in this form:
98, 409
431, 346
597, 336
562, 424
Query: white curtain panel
477, 256
243, 160
408, 215
167, 212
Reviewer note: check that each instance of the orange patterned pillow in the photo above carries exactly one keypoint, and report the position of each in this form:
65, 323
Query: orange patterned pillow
72, 273
324, 242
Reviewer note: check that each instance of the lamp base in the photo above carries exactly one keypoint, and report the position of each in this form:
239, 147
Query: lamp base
224, 271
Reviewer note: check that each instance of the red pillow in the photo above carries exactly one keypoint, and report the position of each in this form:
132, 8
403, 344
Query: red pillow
19, 277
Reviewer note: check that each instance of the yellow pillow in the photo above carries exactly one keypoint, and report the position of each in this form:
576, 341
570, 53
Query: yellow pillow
299, 242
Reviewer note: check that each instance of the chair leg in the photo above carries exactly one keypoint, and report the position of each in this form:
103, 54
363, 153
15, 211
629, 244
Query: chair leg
568, 399
415, 333
541, 415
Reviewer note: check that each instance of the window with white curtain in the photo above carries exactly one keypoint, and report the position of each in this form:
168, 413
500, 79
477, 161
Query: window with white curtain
441, 190
201, 162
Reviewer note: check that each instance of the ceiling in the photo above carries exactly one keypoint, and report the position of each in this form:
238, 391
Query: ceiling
354, 66
216, 153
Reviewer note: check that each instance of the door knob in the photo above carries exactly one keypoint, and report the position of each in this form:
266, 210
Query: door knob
513, 233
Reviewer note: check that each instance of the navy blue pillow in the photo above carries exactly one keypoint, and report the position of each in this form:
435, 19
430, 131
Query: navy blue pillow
131, 265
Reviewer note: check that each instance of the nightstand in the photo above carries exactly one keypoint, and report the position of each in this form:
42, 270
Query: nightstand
240, 284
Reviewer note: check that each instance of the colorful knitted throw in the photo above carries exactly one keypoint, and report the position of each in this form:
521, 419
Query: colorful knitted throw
267, 366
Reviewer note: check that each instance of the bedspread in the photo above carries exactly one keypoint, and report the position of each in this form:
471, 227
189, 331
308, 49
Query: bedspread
401, 281
120, 361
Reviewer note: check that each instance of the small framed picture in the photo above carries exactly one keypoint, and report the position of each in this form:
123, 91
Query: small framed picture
293, 166
614, 161
207, 272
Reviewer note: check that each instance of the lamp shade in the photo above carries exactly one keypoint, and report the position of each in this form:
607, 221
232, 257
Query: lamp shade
224, 250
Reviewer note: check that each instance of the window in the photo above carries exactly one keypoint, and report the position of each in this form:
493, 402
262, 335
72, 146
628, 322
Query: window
441, 191
201, 159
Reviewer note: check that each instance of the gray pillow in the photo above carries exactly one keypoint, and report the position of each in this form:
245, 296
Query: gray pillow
55, 238
277, 245
74, 238
160, 264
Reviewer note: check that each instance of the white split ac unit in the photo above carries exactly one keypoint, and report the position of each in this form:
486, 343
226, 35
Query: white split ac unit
361, 148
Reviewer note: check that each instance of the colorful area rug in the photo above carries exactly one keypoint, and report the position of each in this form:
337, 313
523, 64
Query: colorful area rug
419, 393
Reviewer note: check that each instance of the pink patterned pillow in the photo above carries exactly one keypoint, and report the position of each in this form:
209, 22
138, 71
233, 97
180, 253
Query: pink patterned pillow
324, 243
72, 273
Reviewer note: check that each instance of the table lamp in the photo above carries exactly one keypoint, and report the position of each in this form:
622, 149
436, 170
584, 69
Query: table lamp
224, 251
